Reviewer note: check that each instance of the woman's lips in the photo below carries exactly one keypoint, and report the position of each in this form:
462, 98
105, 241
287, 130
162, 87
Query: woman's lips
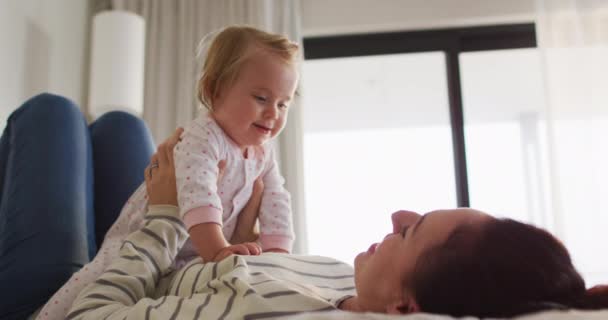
372, 248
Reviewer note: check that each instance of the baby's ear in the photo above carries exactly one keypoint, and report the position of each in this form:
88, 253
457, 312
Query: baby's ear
208, 88
402, 307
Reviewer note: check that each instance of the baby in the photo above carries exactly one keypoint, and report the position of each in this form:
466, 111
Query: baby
248, 80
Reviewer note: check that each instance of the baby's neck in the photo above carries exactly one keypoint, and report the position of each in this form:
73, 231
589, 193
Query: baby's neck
244, 150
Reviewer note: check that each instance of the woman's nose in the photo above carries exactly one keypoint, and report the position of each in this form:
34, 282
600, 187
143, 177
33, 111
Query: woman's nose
403, 218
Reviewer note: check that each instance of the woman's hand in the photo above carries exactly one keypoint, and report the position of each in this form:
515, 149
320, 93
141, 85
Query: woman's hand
247, 229
160, 174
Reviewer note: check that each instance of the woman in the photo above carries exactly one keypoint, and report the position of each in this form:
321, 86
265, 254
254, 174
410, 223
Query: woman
457, 262
55, 205
62, 185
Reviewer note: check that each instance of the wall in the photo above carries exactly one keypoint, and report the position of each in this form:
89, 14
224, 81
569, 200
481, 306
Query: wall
45, 42
325, 17
44, 48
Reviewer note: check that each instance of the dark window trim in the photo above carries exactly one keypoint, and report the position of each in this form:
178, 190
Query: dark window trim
459, 39
452, 41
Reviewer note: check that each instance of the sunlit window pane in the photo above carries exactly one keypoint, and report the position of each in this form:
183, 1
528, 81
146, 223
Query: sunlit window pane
502, 103
377, 139
548, 169
582, 191
576, 82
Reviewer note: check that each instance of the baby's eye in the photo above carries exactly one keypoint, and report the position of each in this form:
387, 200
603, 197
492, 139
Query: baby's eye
404, 231
260, 98
283, 106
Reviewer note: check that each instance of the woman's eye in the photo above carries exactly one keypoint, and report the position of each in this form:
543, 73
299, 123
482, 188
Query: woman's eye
404, 231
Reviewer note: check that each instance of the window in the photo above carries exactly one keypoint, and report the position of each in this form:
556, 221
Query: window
367, 155
503, 105
384, 129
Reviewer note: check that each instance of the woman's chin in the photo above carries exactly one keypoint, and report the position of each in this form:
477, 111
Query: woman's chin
361, 257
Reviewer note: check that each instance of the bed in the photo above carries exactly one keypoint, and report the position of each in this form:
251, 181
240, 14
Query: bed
548, 315
141, 283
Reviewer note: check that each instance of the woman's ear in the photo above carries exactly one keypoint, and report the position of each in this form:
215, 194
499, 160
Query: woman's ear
402, 307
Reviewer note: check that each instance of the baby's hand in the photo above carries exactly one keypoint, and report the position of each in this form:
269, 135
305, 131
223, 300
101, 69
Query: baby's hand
245, 249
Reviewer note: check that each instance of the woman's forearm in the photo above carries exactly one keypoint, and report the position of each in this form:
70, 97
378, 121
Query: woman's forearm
247, 230
144, 256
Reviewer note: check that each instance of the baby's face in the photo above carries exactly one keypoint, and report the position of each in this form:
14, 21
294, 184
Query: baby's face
254, 109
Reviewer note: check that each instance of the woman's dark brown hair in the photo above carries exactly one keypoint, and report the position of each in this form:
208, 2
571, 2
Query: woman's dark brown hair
501, 268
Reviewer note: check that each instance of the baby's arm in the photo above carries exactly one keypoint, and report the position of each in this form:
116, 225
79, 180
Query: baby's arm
279, 250
276, 229
211, 245
208, 240
196, 166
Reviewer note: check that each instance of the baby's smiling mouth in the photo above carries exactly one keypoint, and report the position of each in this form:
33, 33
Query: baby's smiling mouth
261, 127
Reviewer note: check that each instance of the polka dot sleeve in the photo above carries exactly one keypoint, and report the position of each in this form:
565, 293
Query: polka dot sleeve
276, 227
196, 170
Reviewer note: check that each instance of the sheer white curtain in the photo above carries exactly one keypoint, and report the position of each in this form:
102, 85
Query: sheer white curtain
573, 39
173, 31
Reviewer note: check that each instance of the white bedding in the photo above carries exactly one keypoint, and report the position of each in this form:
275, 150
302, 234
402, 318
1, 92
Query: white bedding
548, 315
141, 284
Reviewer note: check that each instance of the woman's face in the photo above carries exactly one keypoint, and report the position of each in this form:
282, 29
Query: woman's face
384, 270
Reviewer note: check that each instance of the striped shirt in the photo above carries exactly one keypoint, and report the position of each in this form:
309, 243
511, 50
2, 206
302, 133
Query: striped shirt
140, 284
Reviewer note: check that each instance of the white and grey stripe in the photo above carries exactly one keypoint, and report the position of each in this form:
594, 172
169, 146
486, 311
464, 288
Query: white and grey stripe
240, 287
324, 276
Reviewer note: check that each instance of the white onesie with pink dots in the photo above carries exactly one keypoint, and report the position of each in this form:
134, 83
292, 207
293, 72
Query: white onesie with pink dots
201, 199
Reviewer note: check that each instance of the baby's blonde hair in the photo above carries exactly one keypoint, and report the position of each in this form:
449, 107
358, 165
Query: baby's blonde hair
228, 52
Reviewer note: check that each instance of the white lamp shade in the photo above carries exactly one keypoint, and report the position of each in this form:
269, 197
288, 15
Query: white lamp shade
117, 63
